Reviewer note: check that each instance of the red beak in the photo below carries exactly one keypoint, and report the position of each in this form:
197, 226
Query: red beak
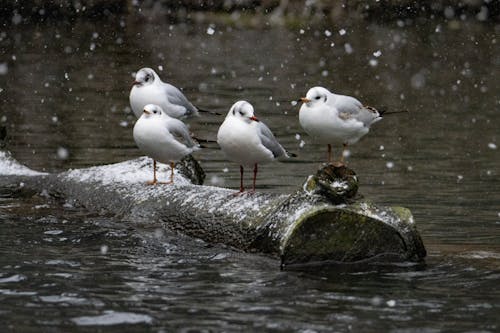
135, 83
254, 118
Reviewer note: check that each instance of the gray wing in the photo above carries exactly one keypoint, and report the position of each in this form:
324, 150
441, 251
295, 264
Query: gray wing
351, 108
180, 131
347, 104
269, 141
175, 96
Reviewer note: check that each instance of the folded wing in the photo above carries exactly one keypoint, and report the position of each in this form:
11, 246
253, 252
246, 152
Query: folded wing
269, 141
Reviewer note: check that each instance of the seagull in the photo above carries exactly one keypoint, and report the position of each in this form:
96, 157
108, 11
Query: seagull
247, 141
330, 118
148, 88
163, 138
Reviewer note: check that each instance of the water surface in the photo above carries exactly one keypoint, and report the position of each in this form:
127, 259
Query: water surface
64, 100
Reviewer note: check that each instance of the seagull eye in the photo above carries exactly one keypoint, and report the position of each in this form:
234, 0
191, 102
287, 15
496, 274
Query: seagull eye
317, 97
242, 113
155, 112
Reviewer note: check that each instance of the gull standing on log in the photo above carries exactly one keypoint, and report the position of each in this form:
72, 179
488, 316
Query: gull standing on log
247, 141
330, 118
148, 88
163, 138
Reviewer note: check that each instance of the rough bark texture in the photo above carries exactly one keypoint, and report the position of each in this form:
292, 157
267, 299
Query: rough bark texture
322, 221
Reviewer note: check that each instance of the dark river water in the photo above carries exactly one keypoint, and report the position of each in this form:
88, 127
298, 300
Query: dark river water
64, 101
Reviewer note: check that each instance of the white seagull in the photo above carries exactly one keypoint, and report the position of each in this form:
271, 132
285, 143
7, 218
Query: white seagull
163, 138
148, 88
330, 118
247, 141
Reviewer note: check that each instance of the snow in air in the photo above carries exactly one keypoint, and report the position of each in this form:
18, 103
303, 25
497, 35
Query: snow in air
62, 153
348, 48
4, 68
104, 249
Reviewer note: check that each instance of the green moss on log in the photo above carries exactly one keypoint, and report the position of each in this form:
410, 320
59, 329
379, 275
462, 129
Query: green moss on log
341, 234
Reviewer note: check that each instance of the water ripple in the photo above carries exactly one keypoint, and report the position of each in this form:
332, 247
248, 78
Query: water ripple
110, 317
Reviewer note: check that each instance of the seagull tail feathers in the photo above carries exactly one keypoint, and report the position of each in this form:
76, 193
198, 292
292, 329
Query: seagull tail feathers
200, 140
384, 111
209, 112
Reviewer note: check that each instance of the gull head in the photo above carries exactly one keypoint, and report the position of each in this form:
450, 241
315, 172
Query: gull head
145, 76
152, 111
315, 96
242, 110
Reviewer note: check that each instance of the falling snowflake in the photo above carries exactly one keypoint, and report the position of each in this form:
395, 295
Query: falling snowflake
62, 153
348, 48
4, 68
104, 249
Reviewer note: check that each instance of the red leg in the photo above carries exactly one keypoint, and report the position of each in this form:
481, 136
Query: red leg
172, 166
154, 175
329, 154
241, 179
343, 153
254, 176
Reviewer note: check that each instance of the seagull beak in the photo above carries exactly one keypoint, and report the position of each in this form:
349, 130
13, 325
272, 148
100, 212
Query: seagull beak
253, 118
135, 83
304, 100
146, 112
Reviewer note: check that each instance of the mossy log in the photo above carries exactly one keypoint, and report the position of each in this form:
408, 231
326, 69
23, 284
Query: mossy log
323, 221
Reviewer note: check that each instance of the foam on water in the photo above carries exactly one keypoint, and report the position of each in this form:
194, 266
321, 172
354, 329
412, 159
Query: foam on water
112, 318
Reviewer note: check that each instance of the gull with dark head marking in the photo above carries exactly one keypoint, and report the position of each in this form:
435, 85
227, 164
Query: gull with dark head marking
247, 141
148, 88
332, 119
163, 138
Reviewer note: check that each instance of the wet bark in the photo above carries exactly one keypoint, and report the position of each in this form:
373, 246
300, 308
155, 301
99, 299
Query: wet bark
322, 221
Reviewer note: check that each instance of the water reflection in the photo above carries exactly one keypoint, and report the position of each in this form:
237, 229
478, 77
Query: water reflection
157, 280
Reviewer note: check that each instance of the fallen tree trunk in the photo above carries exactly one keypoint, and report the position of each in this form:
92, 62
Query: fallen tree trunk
322, 221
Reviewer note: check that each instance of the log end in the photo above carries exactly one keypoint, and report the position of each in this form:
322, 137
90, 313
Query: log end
336, 184
349, 234
191, 169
